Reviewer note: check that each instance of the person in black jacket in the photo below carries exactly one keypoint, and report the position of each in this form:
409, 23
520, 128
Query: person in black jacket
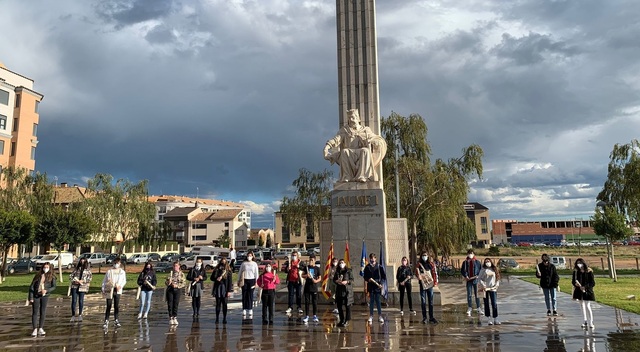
196, 275
549, 279
43, 283
403, 278
583, 282
344, 292
374, 275
222, 288
147, 282
311, 274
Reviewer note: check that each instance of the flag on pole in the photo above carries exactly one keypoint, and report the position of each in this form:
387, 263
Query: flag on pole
325, 279
363, 259
346, 256
385, 287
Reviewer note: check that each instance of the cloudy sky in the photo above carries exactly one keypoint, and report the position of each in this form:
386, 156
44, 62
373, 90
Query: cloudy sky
229, 98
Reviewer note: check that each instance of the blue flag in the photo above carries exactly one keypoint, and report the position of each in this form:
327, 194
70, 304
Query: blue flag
382, 266
363, 258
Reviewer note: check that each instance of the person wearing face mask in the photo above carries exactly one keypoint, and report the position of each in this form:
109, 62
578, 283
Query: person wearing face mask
583, 282
331, 285
428, 277
489, 280
470, 270
294, 284
268, 281
147, 282
403, 278
343, 278
112, 285
222, 288
43, 283
196, 275
175, 282
80, 280
549, 280
374, 274
311, 274
249, 273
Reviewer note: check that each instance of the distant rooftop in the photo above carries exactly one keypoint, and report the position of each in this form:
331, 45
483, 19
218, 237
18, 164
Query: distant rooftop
200, 201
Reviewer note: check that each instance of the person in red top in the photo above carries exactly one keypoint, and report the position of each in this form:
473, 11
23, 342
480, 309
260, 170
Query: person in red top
293, 283
268, 282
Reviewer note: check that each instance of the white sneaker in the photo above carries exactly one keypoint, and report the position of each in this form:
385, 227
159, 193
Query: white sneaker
144, 316
41, 332
305, 319
401, 313
73, 319
335, 311
381, 319
79, 318
370, 319
170, 321
300, 311
175, 321
591, 325
106, 324
34, 333
244, 313
315, 319
469, 312
250, 313
414, 312
139, 316
584, 325
490, 322
479, 310
496, 321
288, 310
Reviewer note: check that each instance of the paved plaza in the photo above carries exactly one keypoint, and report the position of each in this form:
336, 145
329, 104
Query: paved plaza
525, 327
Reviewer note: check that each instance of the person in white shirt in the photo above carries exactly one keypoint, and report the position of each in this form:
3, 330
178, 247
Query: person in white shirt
248, 275
114, 281
488, 282
232, 257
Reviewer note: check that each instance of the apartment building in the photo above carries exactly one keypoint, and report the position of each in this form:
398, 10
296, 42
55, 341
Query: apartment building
479, 216
166, 203
19, 120
548, 232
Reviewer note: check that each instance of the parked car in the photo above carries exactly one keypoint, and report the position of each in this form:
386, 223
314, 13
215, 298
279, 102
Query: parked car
94, 258
263, 264
209, 261
524, 244
239, 260
508, 263
52, 259
154, 257
163, 267
112, 256
138, 258
23, 265
170, 257
559, 262
36, 257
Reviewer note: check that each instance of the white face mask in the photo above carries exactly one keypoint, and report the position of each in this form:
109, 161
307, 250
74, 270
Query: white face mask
294, 257
198, 265
45, 270
487, 264
268, 269
404, 262
342, 266
579, 265
471, 256
424, 258
249, 258
116, 266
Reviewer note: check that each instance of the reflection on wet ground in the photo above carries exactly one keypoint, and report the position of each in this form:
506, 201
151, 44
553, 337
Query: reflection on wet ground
525, 327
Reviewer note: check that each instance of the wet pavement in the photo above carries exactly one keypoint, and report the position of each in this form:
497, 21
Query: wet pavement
525, 327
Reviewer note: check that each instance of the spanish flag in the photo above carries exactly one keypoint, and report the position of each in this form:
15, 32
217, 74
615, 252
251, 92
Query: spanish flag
325, 278
346, 256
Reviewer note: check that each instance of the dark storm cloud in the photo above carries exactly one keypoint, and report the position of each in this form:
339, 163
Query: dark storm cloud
532, 49
128, 12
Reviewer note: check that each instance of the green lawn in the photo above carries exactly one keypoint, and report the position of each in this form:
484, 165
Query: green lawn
607, 292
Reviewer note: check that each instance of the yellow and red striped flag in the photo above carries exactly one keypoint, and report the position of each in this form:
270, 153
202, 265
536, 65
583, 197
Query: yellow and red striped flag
325, 278
346, 256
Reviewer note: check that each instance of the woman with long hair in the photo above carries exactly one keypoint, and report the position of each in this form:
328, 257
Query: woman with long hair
147, 282
343, 278
196, 275
222, 288
248, 275
488, 281
403, 278
43, 283
583, 282
112, 285
175, 282
268, 281
80, 280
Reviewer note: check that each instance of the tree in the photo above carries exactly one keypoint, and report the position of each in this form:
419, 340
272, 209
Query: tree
224, 240
118, 208
269, 244
16, 226
154, 234
62, 227
312, 200
432, 195
621, 190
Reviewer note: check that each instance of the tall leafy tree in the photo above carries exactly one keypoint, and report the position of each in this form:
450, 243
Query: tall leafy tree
312, 200
16, 226
432, 194
621, 190
119, 208
61, 227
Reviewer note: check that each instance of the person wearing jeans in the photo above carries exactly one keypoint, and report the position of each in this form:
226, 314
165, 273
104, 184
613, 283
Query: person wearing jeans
549, 280
43, 283
112, 285
489, 280
147, 282
175, 282
470, 270
80, 280
428, 277
374, 274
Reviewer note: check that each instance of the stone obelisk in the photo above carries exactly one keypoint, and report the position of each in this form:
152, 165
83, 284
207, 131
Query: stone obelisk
358, 208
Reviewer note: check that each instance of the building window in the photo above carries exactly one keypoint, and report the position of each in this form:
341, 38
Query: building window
1, 147
35, 129
198, 238
33, 153
37, 106
13, 149
18, 100
4, 97
15, 124
163, 209
160, 217
3, 122
198, 226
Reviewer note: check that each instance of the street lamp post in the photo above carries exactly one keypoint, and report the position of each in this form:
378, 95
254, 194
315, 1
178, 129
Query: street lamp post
397, 128
610, 258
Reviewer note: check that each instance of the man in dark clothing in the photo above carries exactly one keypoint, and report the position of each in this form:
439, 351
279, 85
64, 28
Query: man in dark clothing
374, 274
549, 279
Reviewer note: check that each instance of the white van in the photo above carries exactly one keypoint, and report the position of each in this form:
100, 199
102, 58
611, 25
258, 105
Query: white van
67, 260
209, 261
559, 262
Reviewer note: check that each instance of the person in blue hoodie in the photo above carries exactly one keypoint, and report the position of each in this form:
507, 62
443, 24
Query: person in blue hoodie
470, 270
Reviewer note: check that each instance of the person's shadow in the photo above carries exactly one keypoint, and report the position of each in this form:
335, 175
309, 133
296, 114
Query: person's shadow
555, 343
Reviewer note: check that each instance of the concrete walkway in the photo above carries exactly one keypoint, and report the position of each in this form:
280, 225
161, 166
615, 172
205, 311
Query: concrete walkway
525, 327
